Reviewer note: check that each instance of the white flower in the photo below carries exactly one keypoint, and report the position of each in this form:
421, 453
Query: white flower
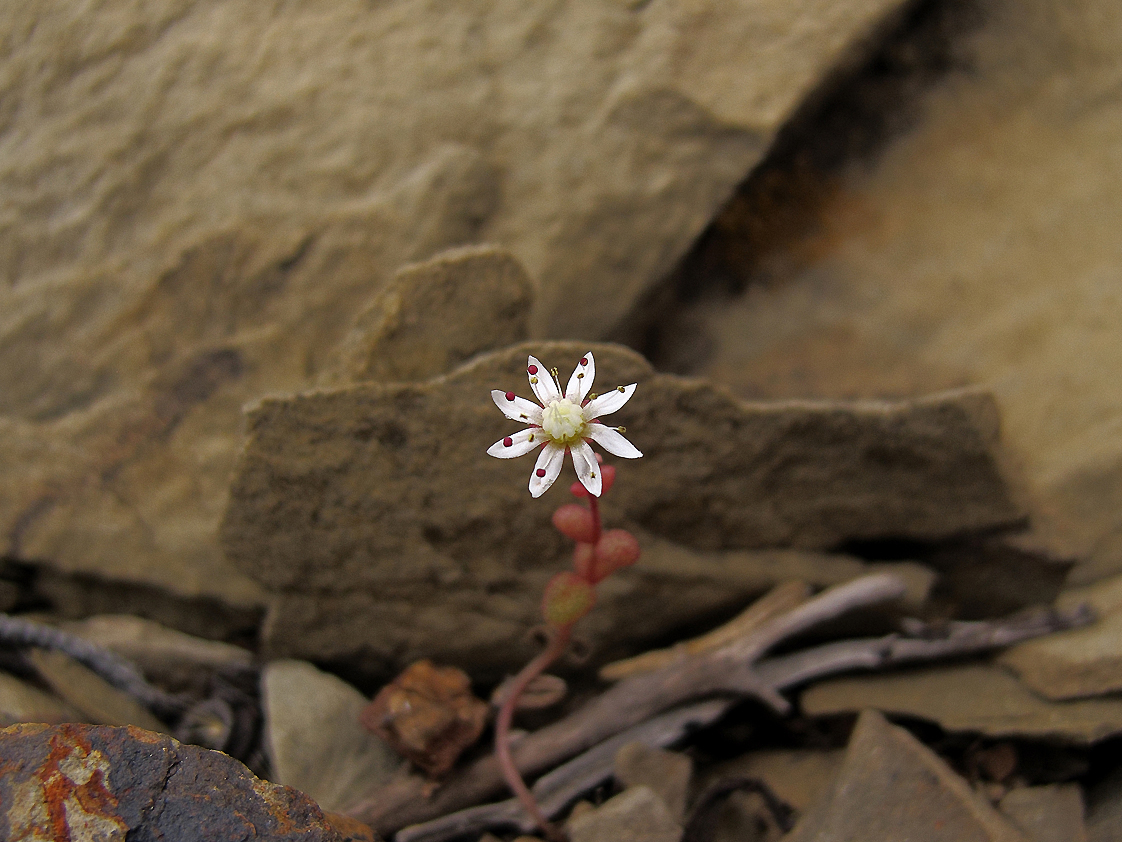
565, 421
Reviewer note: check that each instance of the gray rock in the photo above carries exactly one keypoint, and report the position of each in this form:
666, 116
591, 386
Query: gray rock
667, 773
314, 738
635, 815
1051, 813
100, 702
891, 786
903, 276
972, 698
20, 702
387, 534
196, 204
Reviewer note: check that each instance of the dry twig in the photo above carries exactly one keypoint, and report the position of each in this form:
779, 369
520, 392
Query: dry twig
729, 673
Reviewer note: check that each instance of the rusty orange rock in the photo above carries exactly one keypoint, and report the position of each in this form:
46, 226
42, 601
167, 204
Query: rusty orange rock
72, 782
428, 714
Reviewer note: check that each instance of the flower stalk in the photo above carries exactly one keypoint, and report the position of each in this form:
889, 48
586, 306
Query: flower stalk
565, 423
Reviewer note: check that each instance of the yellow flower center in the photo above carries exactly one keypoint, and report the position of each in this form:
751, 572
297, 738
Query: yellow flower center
563, 421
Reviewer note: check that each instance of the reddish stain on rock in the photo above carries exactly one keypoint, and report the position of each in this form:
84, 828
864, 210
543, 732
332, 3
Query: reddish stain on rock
70, 783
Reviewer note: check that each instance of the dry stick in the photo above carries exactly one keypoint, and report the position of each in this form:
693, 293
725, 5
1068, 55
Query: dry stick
778, 601
728, 670
560, 787
787, 671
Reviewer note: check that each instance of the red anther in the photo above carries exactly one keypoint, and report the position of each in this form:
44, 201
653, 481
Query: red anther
510, 396
584, 360
508, 441
533, 369
575, 521
540, 472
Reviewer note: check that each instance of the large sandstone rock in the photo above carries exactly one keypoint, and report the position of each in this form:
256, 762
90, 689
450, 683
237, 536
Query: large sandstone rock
198, 198
387, 533
891, 786
980, 246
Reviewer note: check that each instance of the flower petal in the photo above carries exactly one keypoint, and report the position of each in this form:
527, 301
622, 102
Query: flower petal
541, 381
550, 461
581, 380
520, 443
588, 469
517, 409
610, 439
609, 403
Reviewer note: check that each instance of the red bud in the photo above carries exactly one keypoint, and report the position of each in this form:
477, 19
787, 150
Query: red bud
567, 598
617, 548
575, 521
607, 477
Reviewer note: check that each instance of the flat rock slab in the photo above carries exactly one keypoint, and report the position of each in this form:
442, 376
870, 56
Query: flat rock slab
197, 202
971, 698
635, 815
375, 515
314, 738
1081, 662
99, 782
161, 653
20, 702
1052, 813
891, 786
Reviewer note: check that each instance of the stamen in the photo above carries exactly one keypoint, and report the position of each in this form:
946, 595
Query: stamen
510, 396
580, 376
540, 472
533, 380
584, 360
620, 389
532, 369
531, 438
508, 441
593, 475
621, 429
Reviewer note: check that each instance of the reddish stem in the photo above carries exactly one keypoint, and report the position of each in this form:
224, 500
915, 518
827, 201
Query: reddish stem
594, 506
532, 670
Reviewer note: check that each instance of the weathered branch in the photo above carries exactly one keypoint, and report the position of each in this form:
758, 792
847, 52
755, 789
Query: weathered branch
727, 670
955, 639
732, 672
558, 789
